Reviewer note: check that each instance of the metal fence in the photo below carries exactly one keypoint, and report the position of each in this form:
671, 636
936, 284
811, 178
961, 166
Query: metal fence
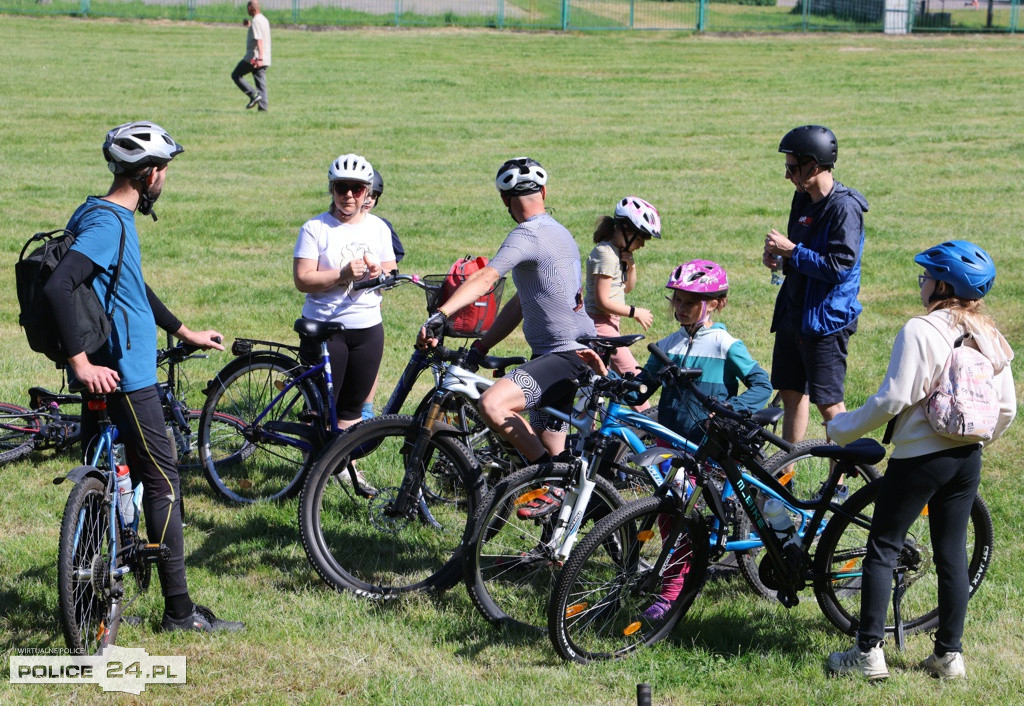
890, 16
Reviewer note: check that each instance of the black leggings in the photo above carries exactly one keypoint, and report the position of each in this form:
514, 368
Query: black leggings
355, 361
947, 482
140, 424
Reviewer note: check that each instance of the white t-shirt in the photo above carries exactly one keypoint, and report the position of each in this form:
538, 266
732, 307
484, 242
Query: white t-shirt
333, 244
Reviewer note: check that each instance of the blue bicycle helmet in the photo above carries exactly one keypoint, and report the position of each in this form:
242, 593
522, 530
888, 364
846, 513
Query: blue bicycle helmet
962, 264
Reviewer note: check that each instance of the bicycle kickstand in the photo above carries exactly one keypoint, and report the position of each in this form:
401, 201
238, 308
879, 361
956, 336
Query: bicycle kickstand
897, 597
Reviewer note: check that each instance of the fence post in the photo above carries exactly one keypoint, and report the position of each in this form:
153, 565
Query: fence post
84, 8
295, 11
1014, 15
501, 14
702, 7
565, 15
632, 8
398, 13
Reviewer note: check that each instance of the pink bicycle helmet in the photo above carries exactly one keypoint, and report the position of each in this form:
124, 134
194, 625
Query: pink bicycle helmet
641, 214
700, 277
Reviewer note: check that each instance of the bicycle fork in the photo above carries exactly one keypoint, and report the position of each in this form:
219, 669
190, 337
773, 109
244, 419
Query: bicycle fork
410, 494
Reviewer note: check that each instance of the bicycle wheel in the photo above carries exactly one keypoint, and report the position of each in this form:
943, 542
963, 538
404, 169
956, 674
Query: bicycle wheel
843, 545
18, 429
224, 429
597, 610
803, 474
352, 536
248, 462
89, 612
509, 566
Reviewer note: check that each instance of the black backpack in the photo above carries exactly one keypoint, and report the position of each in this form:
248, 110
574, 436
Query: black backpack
31, 274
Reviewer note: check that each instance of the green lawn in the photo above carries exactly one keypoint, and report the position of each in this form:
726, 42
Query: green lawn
929, 130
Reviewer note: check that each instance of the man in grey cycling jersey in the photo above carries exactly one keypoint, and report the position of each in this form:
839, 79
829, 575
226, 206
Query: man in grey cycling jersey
545, 264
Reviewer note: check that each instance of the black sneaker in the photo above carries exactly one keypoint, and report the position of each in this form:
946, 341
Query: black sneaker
253, 101
201, 620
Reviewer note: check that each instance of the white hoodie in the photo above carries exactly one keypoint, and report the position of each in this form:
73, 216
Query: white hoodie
918, 356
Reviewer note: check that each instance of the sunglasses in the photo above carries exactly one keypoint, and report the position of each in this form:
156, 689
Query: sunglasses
792, 169
343, 187
921, 279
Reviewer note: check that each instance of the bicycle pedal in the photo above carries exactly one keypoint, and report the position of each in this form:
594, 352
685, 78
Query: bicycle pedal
308, 415
154, 552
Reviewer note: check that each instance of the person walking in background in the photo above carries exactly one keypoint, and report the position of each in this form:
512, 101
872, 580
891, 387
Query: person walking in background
927, 468
816, 309
611, 274
256, 59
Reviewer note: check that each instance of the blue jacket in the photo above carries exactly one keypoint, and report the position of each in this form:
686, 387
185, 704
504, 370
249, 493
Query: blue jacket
823, 273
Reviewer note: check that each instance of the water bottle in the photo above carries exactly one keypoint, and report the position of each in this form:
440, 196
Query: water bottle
778, 518
777, 272
126, 496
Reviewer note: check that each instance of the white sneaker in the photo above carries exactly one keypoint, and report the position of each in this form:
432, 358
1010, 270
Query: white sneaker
870, 664
947, 666
345, 477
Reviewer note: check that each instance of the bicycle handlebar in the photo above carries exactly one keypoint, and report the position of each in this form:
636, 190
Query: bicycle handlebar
687, 376
387, 281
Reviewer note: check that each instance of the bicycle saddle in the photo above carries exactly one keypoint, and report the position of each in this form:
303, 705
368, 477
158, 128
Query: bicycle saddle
39, 396
859, 451
317, 330
609, 342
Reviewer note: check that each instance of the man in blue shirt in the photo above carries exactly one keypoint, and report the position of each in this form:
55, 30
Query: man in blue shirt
124, 369
816, 310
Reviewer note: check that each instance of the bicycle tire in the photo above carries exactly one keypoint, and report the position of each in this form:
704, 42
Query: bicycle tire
351, 540
260, 468
90, 616
18, 436
843, 546
224, 426
508, 569
596, 610
806, 472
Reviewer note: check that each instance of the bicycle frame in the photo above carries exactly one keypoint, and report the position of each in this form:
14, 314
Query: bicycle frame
324, 368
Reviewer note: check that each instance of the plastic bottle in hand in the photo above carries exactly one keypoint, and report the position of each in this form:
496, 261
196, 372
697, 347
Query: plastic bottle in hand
777, 270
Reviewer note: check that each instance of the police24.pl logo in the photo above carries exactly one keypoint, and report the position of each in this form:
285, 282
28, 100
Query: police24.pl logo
115, 669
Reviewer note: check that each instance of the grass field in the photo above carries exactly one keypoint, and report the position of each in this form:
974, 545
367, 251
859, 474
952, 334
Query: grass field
929, 130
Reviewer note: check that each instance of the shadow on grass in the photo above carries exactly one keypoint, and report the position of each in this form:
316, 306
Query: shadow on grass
250, 546
28, 609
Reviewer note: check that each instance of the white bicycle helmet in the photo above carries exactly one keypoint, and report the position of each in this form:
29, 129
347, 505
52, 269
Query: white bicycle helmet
349, 167
134, 146
641, 214
521, 176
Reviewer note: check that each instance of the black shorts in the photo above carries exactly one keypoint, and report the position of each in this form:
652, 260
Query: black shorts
549, 380
814, 365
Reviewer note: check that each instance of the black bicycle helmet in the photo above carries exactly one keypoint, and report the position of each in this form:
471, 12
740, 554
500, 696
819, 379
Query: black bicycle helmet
377, 187
814, 141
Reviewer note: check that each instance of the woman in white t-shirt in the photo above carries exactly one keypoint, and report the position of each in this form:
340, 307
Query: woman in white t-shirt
611, 273
334, 250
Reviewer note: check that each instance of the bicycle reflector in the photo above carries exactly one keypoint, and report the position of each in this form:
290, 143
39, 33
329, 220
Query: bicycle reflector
576, 609
97, 404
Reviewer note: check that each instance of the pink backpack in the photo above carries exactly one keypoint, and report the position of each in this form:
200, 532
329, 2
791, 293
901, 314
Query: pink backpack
964, 404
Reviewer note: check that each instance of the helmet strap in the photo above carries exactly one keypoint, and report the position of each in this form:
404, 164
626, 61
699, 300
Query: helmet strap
693, 328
